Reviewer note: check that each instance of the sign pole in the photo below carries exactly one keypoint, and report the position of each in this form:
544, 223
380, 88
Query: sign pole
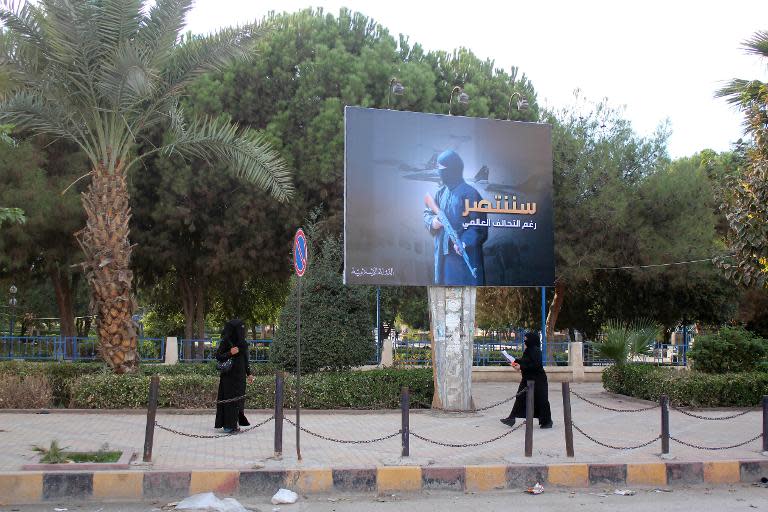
300, 265
298, 374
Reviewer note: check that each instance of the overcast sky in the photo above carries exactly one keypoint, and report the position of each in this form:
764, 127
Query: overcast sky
659, 59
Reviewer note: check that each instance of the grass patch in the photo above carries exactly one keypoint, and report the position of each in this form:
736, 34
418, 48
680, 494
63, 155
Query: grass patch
55, 454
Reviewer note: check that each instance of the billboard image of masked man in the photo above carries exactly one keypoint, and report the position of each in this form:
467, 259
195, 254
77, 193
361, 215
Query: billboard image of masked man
458, 252
436, 200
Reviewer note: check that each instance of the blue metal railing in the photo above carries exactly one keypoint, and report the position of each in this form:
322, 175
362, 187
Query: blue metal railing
412, 353
200, 350
41, 348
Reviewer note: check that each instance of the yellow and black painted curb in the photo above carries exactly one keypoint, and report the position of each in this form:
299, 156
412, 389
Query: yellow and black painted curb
29, 487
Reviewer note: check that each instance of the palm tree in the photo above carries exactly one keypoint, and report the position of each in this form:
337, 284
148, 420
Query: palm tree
103, 74
747, 202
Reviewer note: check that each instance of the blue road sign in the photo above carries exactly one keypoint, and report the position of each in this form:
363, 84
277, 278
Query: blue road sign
300, 253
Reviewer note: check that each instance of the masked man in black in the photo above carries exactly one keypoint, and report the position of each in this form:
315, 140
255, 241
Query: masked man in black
451, 197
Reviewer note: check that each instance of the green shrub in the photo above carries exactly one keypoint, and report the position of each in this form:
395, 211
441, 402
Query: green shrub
622, 341
336, 323
373, 389
732, 349
687, 387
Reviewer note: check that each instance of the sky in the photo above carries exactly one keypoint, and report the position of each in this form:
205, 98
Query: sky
660, 60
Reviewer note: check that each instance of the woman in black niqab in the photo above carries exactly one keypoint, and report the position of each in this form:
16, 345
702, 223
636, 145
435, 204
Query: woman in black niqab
532, 369
232, 383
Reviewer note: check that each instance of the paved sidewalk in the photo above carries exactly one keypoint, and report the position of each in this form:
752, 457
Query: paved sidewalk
89, 430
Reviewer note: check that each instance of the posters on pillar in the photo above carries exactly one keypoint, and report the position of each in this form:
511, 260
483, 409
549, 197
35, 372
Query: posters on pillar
445, 200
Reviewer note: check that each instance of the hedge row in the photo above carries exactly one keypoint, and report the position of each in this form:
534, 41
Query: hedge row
687, 387
61, 376
188, 386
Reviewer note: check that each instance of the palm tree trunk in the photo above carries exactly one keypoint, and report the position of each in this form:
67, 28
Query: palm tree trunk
107, 267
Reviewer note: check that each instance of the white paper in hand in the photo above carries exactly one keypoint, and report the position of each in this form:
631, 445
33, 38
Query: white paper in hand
509, 357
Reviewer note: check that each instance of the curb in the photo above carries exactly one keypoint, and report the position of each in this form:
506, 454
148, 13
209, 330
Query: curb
20, 488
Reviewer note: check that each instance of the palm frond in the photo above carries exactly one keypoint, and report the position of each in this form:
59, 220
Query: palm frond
126, 80
30, 111
23, 19
118, 22
197, 55
613, 344
757, 44
642, 334
160, 29
247, 152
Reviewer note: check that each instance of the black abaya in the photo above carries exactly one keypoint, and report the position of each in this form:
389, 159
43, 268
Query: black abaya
232, 383
532, 369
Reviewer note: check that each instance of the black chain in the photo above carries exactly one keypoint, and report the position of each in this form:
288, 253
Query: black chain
343, 441
213, 436
522, 392
465, 445
709, 418
715, 448
611, 408
229, 400
606, 445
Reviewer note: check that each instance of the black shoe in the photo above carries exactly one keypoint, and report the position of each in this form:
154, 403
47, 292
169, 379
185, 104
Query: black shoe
510, 422
546, 425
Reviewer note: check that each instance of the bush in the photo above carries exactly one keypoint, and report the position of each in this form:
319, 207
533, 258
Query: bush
24, 392
732, 349
687, 387
373, 389
336, 323
58, 374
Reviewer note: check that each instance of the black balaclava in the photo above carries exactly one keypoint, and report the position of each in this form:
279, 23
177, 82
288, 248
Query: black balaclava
450, 167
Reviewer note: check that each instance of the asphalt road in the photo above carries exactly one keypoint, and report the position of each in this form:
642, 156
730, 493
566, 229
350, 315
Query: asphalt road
702, 499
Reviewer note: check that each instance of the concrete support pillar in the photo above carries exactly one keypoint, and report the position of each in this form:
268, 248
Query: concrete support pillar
386, 353
576, 360
452, 321
171, 350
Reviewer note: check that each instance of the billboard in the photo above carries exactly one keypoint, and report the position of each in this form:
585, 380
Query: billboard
444, 200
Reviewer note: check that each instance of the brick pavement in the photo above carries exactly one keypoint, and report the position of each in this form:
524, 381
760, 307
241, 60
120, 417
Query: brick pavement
89, 430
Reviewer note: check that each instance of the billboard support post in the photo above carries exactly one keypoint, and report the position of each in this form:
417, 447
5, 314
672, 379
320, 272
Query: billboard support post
452, 320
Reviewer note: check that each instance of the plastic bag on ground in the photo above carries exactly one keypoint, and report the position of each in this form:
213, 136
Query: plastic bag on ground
209, 502
284, 496
536, 489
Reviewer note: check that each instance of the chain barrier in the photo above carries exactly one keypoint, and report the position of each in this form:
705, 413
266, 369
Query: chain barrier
214, 436
709, 418
611, 408
613, 447
465, 445
715, 448
230, 400
343, 441
520, 393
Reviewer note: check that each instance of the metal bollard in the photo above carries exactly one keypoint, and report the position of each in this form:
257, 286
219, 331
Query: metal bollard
529, 419
567, 420
149, 433
765, 423
664, 402
279, 387
405, 408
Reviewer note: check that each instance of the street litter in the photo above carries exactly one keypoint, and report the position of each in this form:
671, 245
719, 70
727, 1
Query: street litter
536, 489
662, 490
624, 492
60, 509
284, 496
209, 501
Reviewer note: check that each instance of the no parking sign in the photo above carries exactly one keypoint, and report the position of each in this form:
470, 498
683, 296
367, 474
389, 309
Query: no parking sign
300, 252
